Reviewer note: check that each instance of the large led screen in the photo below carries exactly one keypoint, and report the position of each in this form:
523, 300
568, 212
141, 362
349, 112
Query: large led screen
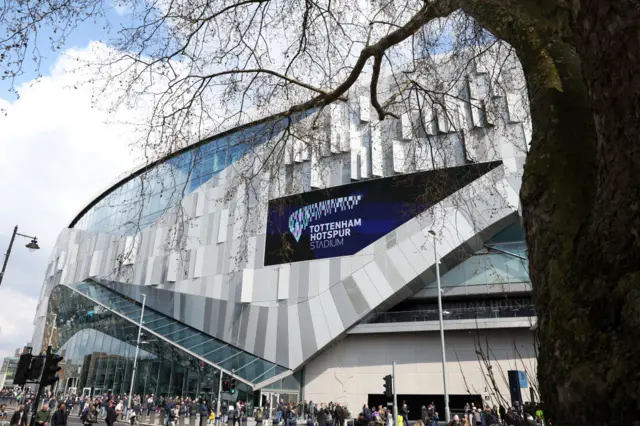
343, 220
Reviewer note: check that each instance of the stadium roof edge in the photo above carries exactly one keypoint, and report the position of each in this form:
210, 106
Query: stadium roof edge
140, 169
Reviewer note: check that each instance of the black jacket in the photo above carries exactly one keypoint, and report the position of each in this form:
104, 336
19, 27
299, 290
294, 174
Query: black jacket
322, 418
111, 416
339, 414
59, 418
15, 419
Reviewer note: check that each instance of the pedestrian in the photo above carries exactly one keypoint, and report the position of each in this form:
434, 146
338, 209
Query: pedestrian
455, 421
204, 412
149, 404
321, 415
173, 414
111, 417
119, 410
338, 416
404, 412
477, 417
59, 418
43, 416
4, 416
19, 417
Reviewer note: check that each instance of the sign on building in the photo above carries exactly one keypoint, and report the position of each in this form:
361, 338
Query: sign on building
342, 220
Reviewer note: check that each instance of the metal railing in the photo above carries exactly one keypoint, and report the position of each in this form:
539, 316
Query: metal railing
456, 314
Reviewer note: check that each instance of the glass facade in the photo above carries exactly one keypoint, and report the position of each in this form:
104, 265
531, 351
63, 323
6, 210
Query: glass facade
503, 261
98, 345
142, 200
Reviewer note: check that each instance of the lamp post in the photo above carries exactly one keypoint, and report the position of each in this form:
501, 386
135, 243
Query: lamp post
32, 246
135, 358
447, 413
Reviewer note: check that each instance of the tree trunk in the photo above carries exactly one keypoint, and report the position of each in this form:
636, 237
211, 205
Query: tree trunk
581, 202
607, 264
557, 194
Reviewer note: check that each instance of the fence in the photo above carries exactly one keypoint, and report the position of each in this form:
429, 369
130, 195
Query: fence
457, 314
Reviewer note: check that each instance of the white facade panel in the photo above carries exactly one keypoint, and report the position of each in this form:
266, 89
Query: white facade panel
246, 295
283, 282
353, 369
222, 228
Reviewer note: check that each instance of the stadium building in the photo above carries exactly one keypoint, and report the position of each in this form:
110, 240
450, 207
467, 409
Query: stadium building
303, 270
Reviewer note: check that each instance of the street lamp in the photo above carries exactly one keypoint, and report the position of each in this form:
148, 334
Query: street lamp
32, 246
135, 358
447, 413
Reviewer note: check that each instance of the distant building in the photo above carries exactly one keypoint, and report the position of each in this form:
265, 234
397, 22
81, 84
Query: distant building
9, 367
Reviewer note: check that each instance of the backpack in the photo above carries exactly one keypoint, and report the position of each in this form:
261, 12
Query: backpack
92, 416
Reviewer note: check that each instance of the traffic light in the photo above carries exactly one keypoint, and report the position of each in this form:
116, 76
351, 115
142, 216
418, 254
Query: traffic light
388, 386
22, 372
232, 388
36, 368
225, 386
51, 368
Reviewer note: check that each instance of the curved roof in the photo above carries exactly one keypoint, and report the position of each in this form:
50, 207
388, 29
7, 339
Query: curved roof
143, 168
255, 128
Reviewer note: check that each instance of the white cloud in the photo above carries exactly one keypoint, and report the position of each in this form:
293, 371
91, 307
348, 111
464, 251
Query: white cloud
57, 151
16, 316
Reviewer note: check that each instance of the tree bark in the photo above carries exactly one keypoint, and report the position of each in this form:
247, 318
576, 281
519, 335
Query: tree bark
581, 202
598, 358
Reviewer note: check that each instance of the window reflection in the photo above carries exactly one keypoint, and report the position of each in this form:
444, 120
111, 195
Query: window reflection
141, 201
99, 346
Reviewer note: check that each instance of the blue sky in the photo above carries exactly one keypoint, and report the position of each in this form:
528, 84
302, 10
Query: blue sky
79, 38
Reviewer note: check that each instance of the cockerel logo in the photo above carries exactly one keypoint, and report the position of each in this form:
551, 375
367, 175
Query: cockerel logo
301, 218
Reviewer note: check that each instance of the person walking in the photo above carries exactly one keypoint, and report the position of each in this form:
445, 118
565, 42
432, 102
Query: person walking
322, 416
19, 417
173, 413
89, 415
193, 409
119, 407
4, 416
111, 417
43, 416
59, 418
338, 416
204, 412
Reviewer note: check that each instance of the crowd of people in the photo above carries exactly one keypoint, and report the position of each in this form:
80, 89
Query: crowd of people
291, 413
113, 408
336, 414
